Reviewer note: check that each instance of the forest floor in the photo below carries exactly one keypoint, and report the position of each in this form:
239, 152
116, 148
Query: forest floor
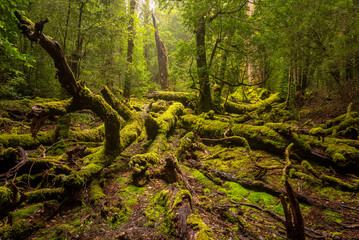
121, 209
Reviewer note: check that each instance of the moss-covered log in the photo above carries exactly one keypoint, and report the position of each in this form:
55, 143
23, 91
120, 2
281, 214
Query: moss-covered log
258, 137
187, 99
51, 109
116, 104
274, 137
26, 141
232, 107
166, 122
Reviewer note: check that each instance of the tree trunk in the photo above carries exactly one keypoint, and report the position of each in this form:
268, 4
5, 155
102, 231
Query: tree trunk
146, 19
205, 97
130, 47
162, 59
67, 25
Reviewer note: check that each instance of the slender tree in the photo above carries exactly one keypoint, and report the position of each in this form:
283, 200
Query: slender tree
162, 59
130, 47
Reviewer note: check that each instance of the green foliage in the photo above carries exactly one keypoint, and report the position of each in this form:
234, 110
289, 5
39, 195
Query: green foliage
14, 63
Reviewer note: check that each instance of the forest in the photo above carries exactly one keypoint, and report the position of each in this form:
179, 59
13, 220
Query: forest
179, 119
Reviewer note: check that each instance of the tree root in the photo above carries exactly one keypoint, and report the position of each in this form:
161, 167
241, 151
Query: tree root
15, 169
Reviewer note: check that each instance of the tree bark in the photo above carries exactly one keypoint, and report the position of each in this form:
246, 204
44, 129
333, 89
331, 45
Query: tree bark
162, 59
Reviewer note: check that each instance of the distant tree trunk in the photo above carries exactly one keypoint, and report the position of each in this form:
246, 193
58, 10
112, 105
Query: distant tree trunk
217, 91
289, 86
130, 47
146, 19
67, 25
162, 59
205, 98
77, 54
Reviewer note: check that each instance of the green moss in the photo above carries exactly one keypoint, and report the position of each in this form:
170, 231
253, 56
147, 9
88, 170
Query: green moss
44, 194
25, 212
179, 197
337, 182
119, 216
260, 137
202, 178
302, 176
339, 158
263, 199
235, 191
130, 194
156, 211
184, 144
205, 233
209, 115
317, 131
96, 193
257, 136
184, 98
337, 217
5, 196
282, 128
26, 140
342, 154
140, 162
168, 119
89, 135
131, 131
18, 230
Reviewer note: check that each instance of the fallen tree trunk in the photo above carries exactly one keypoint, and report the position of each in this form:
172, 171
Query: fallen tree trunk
82, 96
186, 99
232, 107
258, 137
274, 137
162, 126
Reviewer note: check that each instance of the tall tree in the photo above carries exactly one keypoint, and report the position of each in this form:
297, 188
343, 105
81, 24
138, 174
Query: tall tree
130, 47
77, 54
200, 16
162, 59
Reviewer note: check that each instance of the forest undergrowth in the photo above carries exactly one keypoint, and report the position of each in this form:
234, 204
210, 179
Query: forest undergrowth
208, 176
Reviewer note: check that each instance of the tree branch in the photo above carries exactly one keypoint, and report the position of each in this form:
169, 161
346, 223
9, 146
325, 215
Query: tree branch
230, 12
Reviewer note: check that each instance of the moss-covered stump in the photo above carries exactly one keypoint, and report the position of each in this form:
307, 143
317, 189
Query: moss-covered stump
140, 164
180, 216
